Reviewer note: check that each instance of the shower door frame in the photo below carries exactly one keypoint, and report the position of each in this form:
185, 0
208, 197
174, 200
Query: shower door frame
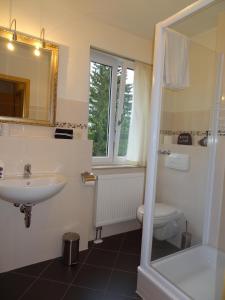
145, 268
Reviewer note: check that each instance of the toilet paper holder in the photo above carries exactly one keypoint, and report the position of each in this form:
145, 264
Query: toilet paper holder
88, 177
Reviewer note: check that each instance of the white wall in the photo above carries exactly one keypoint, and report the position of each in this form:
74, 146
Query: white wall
70, 210
75, 33
185, 190
190, 109
207, 39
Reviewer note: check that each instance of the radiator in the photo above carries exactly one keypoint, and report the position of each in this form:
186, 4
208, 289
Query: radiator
118, 197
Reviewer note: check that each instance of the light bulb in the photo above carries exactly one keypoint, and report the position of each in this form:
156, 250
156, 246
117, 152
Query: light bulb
37, 45
37, 52
10, 46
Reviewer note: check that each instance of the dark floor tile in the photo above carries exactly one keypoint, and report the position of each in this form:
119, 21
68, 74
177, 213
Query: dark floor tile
123, 284
119, 236
160, 244
131, 246
34, 269
101, 258
157, 244
134, 235
92, 277
127, 262
89, 283
60, 272
77, 293
90, 244
45, 290
161, 249
12, 285
172, 248
83, 255
109, 243
117, 297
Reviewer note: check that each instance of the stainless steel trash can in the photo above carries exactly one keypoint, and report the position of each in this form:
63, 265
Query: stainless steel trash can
71, 248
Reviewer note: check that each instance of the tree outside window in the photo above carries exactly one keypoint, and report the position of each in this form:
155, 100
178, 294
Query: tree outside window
104, 108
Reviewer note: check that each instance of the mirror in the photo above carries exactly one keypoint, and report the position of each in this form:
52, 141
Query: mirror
28, 79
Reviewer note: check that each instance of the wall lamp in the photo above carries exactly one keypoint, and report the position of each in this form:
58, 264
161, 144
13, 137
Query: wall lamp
42, 43
13, 37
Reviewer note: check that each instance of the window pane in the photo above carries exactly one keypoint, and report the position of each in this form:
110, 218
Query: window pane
126, 116
99, 106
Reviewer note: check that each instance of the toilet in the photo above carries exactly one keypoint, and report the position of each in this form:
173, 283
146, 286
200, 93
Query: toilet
166, 219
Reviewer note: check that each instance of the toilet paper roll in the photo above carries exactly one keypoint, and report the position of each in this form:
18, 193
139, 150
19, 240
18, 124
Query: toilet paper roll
168, 139
89, 183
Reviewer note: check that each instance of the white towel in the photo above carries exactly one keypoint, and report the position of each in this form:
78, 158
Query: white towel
176, 68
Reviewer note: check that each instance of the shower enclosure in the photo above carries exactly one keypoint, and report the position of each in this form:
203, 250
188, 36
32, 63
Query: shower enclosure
186, 156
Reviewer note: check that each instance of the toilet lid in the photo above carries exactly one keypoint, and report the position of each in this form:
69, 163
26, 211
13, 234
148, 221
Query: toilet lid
164, 210
141, 209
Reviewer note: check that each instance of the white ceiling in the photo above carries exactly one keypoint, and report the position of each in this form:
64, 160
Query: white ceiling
201, 21
136, 16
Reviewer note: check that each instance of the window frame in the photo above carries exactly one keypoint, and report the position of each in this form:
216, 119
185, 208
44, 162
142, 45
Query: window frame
114, 116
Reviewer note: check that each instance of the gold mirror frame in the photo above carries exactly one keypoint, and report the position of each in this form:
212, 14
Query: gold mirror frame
53, 48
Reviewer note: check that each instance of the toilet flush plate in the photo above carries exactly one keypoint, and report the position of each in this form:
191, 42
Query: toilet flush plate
178, 161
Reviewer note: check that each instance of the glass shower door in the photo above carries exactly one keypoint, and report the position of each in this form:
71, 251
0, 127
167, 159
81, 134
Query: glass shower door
189, 202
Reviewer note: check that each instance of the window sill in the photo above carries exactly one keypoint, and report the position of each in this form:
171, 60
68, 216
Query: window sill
119, 166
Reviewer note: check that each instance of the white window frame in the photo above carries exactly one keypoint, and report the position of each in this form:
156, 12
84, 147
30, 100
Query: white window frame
114, 118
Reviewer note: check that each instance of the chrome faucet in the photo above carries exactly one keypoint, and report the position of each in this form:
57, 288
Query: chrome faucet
27, 171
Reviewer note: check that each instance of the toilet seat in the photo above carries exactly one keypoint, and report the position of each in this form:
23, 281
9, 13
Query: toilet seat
163, 213
166, 220
140, 213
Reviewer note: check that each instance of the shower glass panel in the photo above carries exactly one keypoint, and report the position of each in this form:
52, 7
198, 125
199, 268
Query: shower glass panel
191, 111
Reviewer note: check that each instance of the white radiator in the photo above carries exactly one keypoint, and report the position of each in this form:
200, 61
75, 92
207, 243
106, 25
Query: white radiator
118, 197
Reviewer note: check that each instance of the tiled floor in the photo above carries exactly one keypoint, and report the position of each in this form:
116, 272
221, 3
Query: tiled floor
106, 271
162, 248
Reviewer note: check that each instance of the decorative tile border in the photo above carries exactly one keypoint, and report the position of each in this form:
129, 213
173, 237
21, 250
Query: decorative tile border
70, 125
193, 133
165, 132
221, 132
177, 132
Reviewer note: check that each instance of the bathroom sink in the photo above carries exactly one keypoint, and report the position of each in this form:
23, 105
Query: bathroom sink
32, 190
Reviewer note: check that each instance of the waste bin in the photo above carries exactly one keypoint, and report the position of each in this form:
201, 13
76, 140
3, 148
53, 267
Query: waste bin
71, 248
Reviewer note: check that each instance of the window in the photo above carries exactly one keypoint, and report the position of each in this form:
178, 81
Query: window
110, 106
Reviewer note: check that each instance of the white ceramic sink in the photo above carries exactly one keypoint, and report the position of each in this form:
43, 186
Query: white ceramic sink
30, 191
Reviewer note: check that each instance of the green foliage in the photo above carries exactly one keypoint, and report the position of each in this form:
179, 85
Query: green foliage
99, 100
100, 79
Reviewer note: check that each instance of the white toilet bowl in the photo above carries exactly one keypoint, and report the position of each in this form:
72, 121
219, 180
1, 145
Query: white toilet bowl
165, 220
